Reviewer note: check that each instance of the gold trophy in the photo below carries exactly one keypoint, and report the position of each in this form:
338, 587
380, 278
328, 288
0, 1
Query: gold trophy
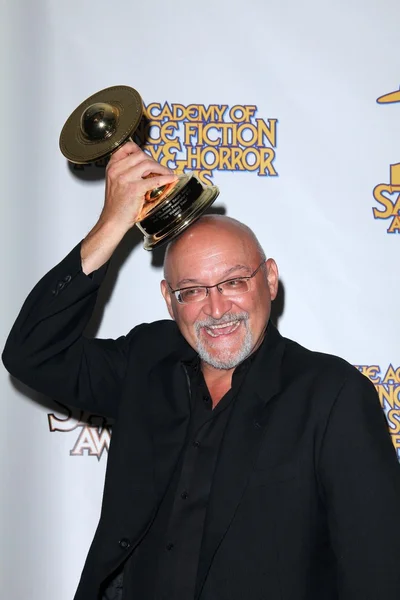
98, 127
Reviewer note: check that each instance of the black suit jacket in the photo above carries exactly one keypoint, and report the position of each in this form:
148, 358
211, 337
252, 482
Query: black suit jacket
306, 493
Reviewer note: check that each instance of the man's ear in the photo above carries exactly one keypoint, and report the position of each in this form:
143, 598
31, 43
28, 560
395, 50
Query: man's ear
272, 277
167, 297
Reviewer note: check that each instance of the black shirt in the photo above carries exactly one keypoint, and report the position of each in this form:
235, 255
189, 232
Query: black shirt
164, 566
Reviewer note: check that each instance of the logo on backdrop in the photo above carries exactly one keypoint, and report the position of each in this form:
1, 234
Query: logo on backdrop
205, 139
94, 432
387, 195
387, 384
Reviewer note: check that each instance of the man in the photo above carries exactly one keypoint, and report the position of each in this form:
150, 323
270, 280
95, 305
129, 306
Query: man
242, 466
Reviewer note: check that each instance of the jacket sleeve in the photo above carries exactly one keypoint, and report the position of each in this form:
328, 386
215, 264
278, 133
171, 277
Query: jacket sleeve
360, 477
46, 348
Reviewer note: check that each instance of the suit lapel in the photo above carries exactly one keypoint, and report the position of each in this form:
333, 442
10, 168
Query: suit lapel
240, 447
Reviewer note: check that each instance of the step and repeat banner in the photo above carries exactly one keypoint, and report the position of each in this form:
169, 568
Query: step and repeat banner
292, 109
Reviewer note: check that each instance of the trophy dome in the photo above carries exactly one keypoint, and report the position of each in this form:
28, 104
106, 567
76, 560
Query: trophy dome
99, 121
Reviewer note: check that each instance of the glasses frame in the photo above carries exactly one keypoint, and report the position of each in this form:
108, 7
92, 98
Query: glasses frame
209, 287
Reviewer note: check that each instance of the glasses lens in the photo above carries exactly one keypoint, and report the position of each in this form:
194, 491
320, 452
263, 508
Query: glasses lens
192, 294
234, 287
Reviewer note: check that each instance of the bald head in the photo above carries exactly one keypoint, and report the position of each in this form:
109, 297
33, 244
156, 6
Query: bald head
205, 232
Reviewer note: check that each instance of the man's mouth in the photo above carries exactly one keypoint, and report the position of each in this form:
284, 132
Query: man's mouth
222, 329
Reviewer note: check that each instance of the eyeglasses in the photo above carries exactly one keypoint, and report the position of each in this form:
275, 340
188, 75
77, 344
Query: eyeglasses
229, 287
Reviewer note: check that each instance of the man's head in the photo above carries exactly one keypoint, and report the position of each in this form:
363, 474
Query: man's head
224, 328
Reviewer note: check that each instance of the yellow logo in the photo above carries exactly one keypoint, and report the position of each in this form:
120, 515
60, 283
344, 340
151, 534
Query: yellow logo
204, 139
388, 194
387, 384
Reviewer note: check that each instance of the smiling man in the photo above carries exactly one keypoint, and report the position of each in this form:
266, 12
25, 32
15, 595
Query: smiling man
223, 312
242, 466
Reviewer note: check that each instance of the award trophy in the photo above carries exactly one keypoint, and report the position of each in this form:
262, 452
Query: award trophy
98, 127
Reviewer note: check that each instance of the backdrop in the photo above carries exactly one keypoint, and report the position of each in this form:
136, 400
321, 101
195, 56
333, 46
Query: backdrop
277, 104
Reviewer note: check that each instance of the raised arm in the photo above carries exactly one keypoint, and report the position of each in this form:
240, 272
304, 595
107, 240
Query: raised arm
126, 187
46, 348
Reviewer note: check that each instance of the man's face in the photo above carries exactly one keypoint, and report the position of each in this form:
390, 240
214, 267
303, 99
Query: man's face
224, 330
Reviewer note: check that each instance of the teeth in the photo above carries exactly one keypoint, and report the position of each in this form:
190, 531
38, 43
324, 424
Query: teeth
222, 325
234, 324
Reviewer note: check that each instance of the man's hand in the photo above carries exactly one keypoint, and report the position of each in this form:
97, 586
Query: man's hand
126, 188
126, 185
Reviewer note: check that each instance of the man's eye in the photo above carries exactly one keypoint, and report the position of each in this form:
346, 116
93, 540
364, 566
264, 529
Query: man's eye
191, 293
234, 283
237, 286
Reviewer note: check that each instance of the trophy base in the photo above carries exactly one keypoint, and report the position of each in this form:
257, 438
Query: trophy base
185, 202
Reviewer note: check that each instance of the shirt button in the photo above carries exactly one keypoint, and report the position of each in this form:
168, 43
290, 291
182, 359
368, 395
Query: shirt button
196, 444
184, 495
207, 399
169, 546
124, 543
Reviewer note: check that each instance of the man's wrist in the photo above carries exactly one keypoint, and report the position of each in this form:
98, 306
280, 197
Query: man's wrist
100, 243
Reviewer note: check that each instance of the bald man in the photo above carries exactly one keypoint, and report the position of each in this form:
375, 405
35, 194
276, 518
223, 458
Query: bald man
242, 466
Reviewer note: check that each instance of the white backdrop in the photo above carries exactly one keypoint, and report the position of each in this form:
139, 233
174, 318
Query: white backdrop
317, 67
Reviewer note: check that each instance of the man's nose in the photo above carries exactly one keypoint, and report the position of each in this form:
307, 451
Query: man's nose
216, 304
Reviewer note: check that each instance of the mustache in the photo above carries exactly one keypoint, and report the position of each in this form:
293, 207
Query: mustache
227, 318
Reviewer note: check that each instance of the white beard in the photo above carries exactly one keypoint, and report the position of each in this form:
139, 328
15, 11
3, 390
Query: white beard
225, 359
